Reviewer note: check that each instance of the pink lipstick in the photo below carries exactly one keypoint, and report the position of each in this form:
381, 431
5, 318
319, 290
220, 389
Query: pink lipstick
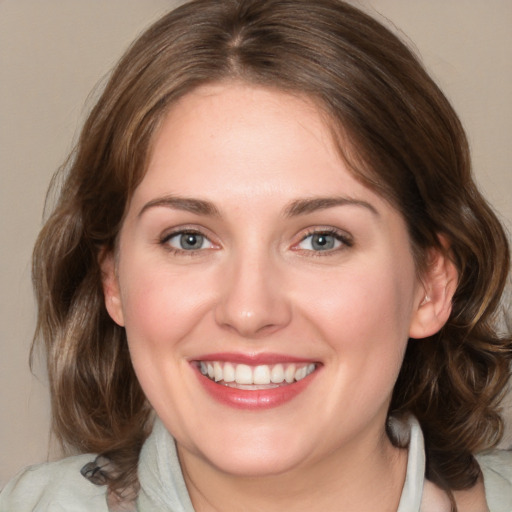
257, 381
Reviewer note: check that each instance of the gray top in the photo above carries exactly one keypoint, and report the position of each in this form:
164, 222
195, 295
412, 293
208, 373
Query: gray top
60, 487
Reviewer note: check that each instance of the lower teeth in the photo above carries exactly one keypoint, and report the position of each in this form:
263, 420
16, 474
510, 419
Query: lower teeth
251, 387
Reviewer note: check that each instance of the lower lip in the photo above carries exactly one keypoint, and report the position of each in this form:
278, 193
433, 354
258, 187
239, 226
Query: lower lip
257, 399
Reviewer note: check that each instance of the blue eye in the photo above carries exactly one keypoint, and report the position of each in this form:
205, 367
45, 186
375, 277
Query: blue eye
188, 241
322, 241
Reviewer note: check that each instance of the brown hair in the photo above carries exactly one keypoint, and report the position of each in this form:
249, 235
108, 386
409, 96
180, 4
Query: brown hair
400, 136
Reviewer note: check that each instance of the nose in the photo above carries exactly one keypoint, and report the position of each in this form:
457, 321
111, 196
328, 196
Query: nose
253, 301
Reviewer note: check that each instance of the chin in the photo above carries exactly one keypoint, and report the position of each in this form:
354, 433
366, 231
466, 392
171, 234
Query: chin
255, 463
255, 453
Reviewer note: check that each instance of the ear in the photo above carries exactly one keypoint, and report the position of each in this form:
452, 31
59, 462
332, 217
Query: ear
434, 301
110, 285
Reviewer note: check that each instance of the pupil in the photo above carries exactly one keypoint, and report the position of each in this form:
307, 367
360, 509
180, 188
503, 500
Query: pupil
191, 241
323, 242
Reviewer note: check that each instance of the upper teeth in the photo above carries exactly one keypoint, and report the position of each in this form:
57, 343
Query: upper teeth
261, 374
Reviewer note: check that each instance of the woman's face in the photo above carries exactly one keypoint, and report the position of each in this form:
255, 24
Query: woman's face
249, 253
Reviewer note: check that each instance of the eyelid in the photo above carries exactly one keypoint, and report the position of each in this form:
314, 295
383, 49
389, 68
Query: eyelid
167, 235
343, 237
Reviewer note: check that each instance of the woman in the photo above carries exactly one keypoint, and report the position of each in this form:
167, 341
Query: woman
270, 281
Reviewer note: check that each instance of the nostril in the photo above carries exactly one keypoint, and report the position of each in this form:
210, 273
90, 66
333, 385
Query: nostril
250, 301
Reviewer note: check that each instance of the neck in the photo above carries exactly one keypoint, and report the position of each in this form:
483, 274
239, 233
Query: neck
367, 476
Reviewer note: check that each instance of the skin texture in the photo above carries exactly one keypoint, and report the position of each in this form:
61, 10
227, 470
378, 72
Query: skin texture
258, 286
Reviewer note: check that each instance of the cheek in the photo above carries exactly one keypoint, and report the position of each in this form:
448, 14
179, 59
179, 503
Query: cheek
365, 318
364, 301
160, 307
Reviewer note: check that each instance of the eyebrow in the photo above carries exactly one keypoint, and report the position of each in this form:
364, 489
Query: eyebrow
294, 209
187, 204
310, 205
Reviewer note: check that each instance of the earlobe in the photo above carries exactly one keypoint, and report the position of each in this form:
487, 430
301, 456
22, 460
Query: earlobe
434, 303
110, 285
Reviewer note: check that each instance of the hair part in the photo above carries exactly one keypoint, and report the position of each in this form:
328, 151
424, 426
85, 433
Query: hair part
394, 128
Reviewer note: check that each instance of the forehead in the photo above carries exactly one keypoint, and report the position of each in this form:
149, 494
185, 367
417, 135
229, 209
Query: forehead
224, 138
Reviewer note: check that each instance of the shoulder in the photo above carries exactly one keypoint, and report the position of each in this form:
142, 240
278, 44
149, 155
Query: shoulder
496, 467
54, 487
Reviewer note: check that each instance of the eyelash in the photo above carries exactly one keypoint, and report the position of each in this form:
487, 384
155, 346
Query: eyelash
164, 241
345, 240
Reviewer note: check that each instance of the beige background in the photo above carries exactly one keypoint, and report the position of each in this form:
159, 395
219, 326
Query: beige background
52, 54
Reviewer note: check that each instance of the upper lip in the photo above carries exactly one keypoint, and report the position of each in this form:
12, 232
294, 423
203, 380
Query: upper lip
254, 359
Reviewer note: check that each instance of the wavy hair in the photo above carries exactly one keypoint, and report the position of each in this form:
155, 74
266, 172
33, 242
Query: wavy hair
400, 137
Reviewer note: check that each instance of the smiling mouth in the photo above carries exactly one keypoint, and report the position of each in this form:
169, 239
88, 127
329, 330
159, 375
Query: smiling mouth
243, 376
